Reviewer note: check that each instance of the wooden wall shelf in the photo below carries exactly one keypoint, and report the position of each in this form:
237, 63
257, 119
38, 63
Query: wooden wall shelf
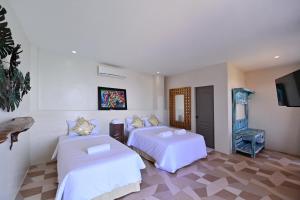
14, 127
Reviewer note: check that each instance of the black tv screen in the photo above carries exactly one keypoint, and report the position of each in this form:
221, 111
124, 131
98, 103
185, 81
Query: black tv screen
288, 89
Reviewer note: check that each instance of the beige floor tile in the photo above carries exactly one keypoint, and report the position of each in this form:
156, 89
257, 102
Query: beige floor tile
233, 190
271, 176
226, 195
216, 186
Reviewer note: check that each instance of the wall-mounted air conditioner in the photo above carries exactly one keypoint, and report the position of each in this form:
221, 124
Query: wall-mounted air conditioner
110, 71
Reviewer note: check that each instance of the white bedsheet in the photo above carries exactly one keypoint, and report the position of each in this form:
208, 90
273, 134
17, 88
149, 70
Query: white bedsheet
82, 176
170, 153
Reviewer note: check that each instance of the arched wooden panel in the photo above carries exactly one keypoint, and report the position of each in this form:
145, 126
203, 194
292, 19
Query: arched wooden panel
186, 91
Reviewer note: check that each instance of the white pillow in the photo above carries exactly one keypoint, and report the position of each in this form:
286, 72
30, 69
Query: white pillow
96, 130
72, 123
129, 120
146, 122
129, 126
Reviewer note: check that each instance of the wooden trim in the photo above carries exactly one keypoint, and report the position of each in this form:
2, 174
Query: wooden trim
186, 91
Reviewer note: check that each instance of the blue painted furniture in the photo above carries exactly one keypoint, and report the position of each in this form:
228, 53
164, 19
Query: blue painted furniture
244, 139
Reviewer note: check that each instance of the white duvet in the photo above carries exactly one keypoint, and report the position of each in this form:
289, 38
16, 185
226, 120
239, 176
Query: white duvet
82, 176
170, 153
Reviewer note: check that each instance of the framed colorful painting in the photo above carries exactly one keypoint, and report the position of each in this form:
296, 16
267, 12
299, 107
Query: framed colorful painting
112, 99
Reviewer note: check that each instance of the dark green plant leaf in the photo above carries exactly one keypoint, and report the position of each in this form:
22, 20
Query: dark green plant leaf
13, 85
26, 84
2, 75
14, 59
6, 41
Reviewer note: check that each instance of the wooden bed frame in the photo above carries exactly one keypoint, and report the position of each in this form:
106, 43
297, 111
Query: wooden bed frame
120, 192
143, 154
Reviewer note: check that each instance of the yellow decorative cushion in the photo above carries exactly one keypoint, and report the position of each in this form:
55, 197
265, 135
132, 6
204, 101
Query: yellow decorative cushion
137, 122
153, 120
83, 127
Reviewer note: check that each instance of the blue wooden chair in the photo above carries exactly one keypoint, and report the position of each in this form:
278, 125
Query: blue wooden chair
244, 139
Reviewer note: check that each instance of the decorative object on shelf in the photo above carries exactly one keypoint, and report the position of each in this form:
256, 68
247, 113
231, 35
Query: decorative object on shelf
180, 107
13, 85
112, 99
14, 127
116, 131
244, 139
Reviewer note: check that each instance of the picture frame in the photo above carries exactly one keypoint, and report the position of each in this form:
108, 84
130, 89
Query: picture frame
112, 98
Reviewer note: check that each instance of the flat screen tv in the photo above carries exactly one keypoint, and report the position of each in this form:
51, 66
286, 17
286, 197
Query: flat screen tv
288, 89
112, 99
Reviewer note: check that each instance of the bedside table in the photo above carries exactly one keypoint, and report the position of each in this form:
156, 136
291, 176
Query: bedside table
116, 131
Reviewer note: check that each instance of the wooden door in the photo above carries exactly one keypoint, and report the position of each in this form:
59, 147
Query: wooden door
205, 114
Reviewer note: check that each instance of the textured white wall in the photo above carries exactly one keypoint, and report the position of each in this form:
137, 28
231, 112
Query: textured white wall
15, 163
236, 79
282, 124
70, 83
215, 75
65, 87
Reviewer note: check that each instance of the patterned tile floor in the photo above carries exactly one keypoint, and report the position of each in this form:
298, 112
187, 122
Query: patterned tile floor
271, 176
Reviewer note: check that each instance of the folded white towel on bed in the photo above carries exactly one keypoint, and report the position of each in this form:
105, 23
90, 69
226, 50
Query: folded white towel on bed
98, 148
165, 134
180, 131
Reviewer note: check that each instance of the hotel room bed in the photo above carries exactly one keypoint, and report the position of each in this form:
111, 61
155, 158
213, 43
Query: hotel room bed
169, 153
103, 175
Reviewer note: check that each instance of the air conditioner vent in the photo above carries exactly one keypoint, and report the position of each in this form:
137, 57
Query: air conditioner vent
110, 71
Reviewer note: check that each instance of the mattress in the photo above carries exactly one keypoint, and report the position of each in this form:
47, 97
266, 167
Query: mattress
119, 192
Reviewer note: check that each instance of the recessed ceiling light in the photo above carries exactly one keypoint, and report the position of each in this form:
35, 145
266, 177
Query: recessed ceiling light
157, 72
276, 57
74, 52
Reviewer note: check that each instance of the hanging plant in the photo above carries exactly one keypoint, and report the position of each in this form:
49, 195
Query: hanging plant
13, 85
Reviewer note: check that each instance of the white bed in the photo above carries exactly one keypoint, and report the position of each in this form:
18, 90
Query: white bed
83, 176
170, 153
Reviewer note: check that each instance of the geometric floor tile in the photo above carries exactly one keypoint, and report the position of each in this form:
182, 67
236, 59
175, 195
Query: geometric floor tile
270, 176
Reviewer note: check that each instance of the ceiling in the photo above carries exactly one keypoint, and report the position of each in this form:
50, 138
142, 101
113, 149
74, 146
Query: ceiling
169, 36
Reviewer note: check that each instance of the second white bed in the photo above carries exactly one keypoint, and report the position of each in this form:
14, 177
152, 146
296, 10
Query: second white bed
170, 153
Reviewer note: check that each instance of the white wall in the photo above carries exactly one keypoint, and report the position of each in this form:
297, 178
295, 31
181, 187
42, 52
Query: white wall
217, 76
236, 79
282, 124
15, 163
66, 87
159, 97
